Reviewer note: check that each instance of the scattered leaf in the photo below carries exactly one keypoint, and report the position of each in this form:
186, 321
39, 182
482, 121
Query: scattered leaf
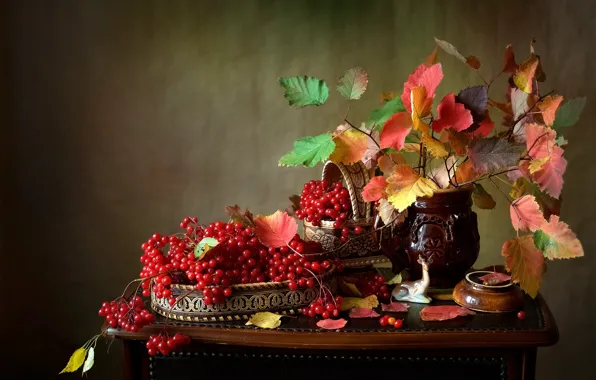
359, 312
304, 91
374, 189
450, 49
444, 312
427, 77
395, 307
348, 288
473, 62
548, 107
350, 147
432, 57
495, 278
407, 185
525, 74
475, 99
397, 279
452, 115
352, 84
204, 246
525, 214
276, 230
395, 131
568, 114
525, 263
493, 154
378, 117
236, 215
76, 360
556, 240
309, 151
332, 324
465, 173
369, 302
265, 320
482, 199
509, 65
90, 359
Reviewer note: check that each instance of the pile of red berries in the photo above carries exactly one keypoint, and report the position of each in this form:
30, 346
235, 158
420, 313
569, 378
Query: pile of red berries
160, 343
319, 201
326, 307
369, 283
130, 315
387, 320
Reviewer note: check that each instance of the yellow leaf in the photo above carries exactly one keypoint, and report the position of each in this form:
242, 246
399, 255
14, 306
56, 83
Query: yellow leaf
395, 280
76, 360
537, 164
349, 147
421, 105
90, 360
412, 147
265, 320
525, 73
525, 262
519, 188
369, 302
349, 288
406, 185
434, 146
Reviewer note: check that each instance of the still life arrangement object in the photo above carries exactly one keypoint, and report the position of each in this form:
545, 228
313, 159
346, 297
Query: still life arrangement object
399, 187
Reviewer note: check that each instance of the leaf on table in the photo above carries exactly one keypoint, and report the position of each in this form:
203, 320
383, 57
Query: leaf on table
466, 173
304, 91
525, 263
265, 320
276, 230
475, 99
485, 128
76, 360
482, 199
374, 189
444, 312
309, 151
495, 278
548, 107
473, 62
525, 74
568, 114
406, 185
509, 65
443, 173
556, 240
452, 115
395, 130
493, 154
395, 307
204, 246
350, 147
352, 84
432, 58
369, 302
525, 214
379, 116
397, 279
359, 312
349, 288
332, 324
90, 360
237, 215
450, 49
427, 77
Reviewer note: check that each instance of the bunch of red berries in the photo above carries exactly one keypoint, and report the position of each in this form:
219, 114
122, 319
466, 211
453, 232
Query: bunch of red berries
130, 315
387, 320
369, 283
163, 344
319, 201
326, 307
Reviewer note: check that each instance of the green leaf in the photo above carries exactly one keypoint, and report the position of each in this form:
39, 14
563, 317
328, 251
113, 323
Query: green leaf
309, 151
204, 246
379, 116
352, 83
304, 91
542, 241
568, 113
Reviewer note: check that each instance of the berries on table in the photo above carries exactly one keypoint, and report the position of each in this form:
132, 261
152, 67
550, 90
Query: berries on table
387, 320
521, 315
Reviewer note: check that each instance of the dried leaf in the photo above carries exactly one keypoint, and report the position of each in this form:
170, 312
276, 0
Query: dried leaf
369, 302
373, 152
549, 177
548, 107
495, 278
443, 312
540, 140
493, 154
350, 147
395, 131
332, 324
427, 77
475, 99
525, 74
304, 91
352, 83
525, 214
457, 140
309, 151
276, 230
465, 173
482, 199
374, 189
76, 360
473, 62
525, 262
509, 65
236, 215
359, 312
387, 162
407, 185
452, 115
556, 240
395, 307
265, 320
204, 246
389, 214
450, 49
548, 205
90, 360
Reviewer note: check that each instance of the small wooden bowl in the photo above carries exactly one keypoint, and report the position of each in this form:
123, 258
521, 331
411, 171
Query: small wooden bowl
471, 293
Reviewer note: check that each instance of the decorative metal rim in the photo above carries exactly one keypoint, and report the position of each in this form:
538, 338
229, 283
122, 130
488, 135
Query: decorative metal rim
364, 261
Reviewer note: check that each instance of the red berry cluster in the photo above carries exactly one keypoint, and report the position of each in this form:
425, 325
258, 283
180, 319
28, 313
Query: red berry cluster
130, 315
326, 307
163, 344
387, 320
370, 283
345, 233
319, 202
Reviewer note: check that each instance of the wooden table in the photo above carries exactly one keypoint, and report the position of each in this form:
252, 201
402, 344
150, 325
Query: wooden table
485, 346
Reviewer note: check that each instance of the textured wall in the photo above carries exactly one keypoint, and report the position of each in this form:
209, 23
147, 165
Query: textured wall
129, 115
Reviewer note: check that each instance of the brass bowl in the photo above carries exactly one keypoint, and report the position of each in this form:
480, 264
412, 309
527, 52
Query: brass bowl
471, 293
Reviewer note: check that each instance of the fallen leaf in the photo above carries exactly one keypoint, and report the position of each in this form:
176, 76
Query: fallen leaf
509, 65
76, 360
276, 230
309, 151
428, 77
374, 189
473, 62
525, 263
304, 91
568, 114
525, 74
556, 240
90, 359
548, 107
204, 246
237, 215
443, 312
407, 186
475, 99
465, 173
482, 199
332, 324
369, 302
350, 147
395, 307
397, 279
359, 312
395, 130
352, 84
265, 320
495, 278
349, 288
452, 115
493, 154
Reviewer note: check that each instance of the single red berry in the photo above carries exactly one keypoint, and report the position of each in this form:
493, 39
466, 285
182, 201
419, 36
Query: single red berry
383, 320
357, 230
398, 324
521, 315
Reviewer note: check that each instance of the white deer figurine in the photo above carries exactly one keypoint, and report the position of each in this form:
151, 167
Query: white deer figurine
414, 291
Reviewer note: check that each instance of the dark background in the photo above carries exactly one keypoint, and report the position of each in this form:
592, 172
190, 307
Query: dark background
122, 117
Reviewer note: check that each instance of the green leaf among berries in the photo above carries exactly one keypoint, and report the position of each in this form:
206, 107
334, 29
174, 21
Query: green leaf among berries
352, 83
204, 246
309, 151
304, 91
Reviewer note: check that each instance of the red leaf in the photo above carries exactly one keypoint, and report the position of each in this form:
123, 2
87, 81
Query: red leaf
428, 77
549, 106
395, 307
359, 312
443, 313
332, 324
509, 65
276, 230
495, 278
374, 189
452, 115
486, 126
525, 214
540, 140
395, 131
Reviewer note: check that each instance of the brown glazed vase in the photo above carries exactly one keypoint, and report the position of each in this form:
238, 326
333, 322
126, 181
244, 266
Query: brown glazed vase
443, 228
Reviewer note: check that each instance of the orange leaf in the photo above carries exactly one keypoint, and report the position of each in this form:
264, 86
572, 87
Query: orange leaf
473, 62
427, 77
350, 146
525, 262
434, 146
525, 73
276, 230
432, 57
465, 173
509, 65
387, 163
452, 115
548, 106
405, 185
395, 131
562, 242
374, 189
525, 214
421, 103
